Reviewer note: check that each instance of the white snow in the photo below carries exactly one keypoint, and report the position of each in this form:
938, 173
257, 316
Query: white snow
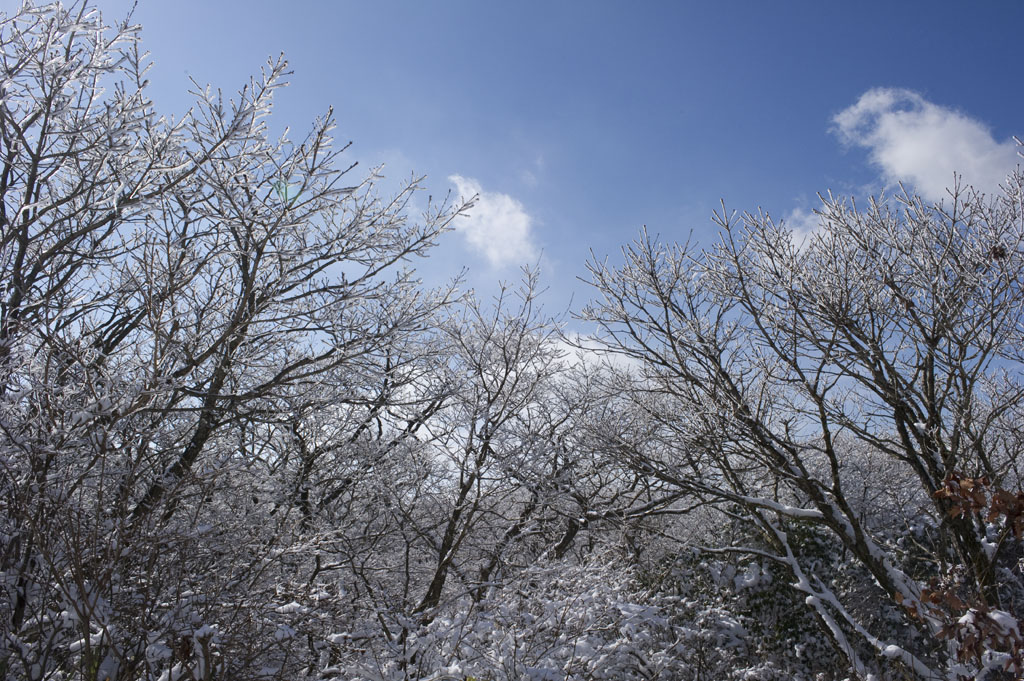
289, 608
1006, 622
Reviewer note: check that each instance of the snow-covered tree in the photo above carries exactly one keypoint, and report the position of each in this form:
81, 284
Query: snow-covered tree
846, 388
179, 297
238, 439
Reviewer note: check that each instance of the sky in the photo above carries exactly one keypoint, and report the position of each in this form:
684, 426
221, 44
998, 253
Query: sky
577, 123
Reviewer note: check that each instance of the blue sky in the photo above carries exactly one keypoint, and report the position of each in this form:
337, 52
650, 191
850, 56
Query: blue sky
579, 122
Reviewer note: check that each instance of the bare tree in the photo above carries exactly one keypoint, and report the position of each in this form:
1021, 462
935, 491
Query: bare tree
237, 438
177, 294
773, 370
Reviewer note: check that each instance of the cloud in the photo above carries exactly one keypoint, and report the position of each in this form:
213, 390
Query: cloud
804, 223
587, 351
531, 176
922, 144
497, 225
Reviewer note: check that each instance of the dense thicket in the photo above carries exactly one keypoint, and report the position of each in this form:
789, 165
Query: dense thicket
239, 440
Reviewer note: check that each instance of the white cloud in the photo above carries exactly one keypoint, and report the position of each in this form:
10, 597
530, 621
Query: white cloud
915, 141
579, 350
497, 225
531, 176
804, 223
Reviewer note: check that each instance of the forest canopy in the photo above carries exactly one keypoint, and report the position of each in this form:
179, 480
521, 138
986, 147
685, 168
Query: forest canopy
239, 439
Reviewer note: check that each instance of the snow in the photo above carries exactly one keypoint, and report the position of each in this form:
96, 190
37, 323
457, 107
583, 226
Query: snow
1006, 622
157, 651
892, 652
293, 607
784, 509
751, 577
204, 632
